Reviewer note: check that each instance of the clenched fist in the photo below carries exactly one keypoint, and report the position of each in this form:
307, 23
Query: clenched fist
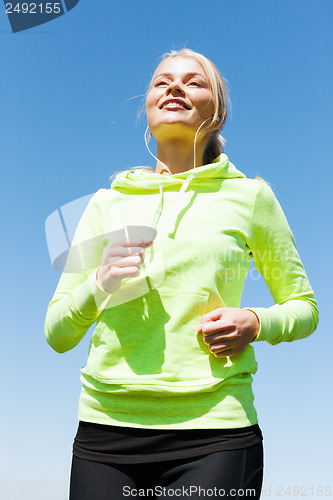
228, 330
123, 260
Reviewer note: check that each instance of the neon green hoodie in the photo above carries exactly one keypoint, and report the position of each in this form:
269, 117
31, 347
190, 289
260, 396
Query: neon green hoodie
147, 366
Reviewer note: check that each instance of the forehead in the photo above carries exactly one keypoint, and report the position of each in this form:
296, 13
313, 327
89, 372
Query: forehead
179, 66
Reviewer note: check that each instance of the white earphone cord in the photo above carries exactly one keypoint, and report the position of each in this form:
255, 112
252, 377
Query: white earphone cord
159, 161
195, 140
194, 146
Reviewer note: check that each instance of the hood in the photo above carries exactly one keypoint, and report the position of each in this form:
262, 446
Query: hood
135, 180
141, 180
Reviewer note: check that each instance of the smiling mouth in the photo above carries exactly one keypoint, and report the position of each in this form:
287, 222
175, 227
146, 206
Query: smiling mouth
174, 104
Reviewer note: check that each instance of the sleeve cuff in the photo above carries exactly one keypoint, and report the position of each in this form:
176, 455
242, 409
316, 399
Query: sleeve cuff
90, 298
271, 324
258, 318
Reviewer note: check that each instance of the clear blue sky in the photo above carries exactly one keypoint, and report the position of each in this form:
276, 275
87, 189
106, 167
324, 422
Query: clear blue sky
68, 122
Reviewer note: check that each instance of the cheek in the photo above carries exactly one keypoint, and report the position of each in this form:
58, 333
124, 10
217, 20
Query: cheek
152, 98
208, 108
205, 105
150, 106
148, 99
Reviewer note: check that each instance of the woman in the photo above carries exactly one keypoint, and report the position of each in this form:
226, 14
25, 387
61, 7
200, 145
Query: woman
166, 407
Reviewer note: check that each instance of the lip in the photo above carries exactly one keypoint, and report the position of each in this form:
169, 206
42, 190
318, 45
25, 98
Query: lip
181, 102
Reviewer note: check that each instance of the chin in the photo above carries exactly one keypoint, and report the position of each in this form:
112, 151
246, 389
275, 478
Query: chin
175, 128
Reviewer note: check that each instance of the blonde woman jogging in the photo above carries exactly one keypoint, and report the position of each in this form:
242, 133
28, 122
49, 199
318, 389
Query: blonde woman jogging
166, 407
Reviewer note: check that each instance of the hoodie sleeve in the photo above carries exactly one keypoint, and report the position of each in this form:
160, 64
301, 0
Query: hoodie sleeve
295, 314
78, 299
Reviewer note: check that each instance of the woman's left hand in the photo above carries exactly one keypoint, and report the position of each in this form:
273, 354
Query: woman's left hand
228, 330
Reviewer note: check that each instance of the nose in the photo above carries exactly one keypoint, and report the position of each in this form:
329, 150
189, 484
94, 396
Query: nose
175, 88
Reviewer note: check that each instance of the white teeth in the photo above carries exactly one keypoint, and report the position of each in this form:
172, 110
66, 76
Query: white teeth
173, 105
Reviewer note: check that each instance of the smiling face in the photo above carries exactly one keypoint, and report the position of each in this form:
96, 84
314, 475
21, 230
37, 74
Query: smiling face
179, 99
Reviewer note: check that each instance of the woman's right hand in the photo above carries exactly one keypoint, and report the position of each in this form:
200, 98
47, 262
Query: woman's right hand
123, 260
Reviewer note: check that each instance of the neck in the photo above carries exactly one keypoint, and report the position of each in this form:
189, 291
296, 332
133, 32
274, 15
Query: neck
178, 157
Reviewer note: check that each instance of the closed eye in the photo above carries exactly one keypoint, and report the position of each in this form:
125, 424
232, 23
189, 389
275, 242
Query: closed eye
161, 83
195, 84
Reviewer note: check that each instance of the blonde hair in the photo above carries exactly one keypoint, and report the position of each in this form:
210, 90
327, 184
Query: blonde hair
219, 91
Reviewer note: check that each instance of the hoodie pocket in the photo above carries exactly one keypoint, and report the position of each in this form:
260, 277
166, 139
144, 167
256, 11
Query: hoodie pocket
151, 344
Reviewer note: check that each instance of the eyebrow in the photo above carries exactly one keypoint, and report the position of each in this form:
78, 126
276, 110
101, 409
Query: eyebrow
187, 75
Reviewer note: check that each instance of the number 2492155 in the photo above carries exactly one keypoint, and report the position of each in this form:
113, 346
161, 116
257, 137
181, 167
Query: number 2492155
33, 8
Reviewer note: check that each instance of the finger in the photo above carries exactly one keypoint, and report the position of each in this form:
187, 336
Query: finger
212, 315
213, 327
216, 349
136, 243
223, 347
133, 260
125, 272
205, 329
226, 353
219, 338
133, 245
121, 251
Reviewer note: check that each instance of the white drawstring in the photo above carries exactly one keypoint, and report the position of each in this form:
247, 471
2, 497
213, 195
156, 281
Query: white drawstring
158, 209
182, 189
177, 204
